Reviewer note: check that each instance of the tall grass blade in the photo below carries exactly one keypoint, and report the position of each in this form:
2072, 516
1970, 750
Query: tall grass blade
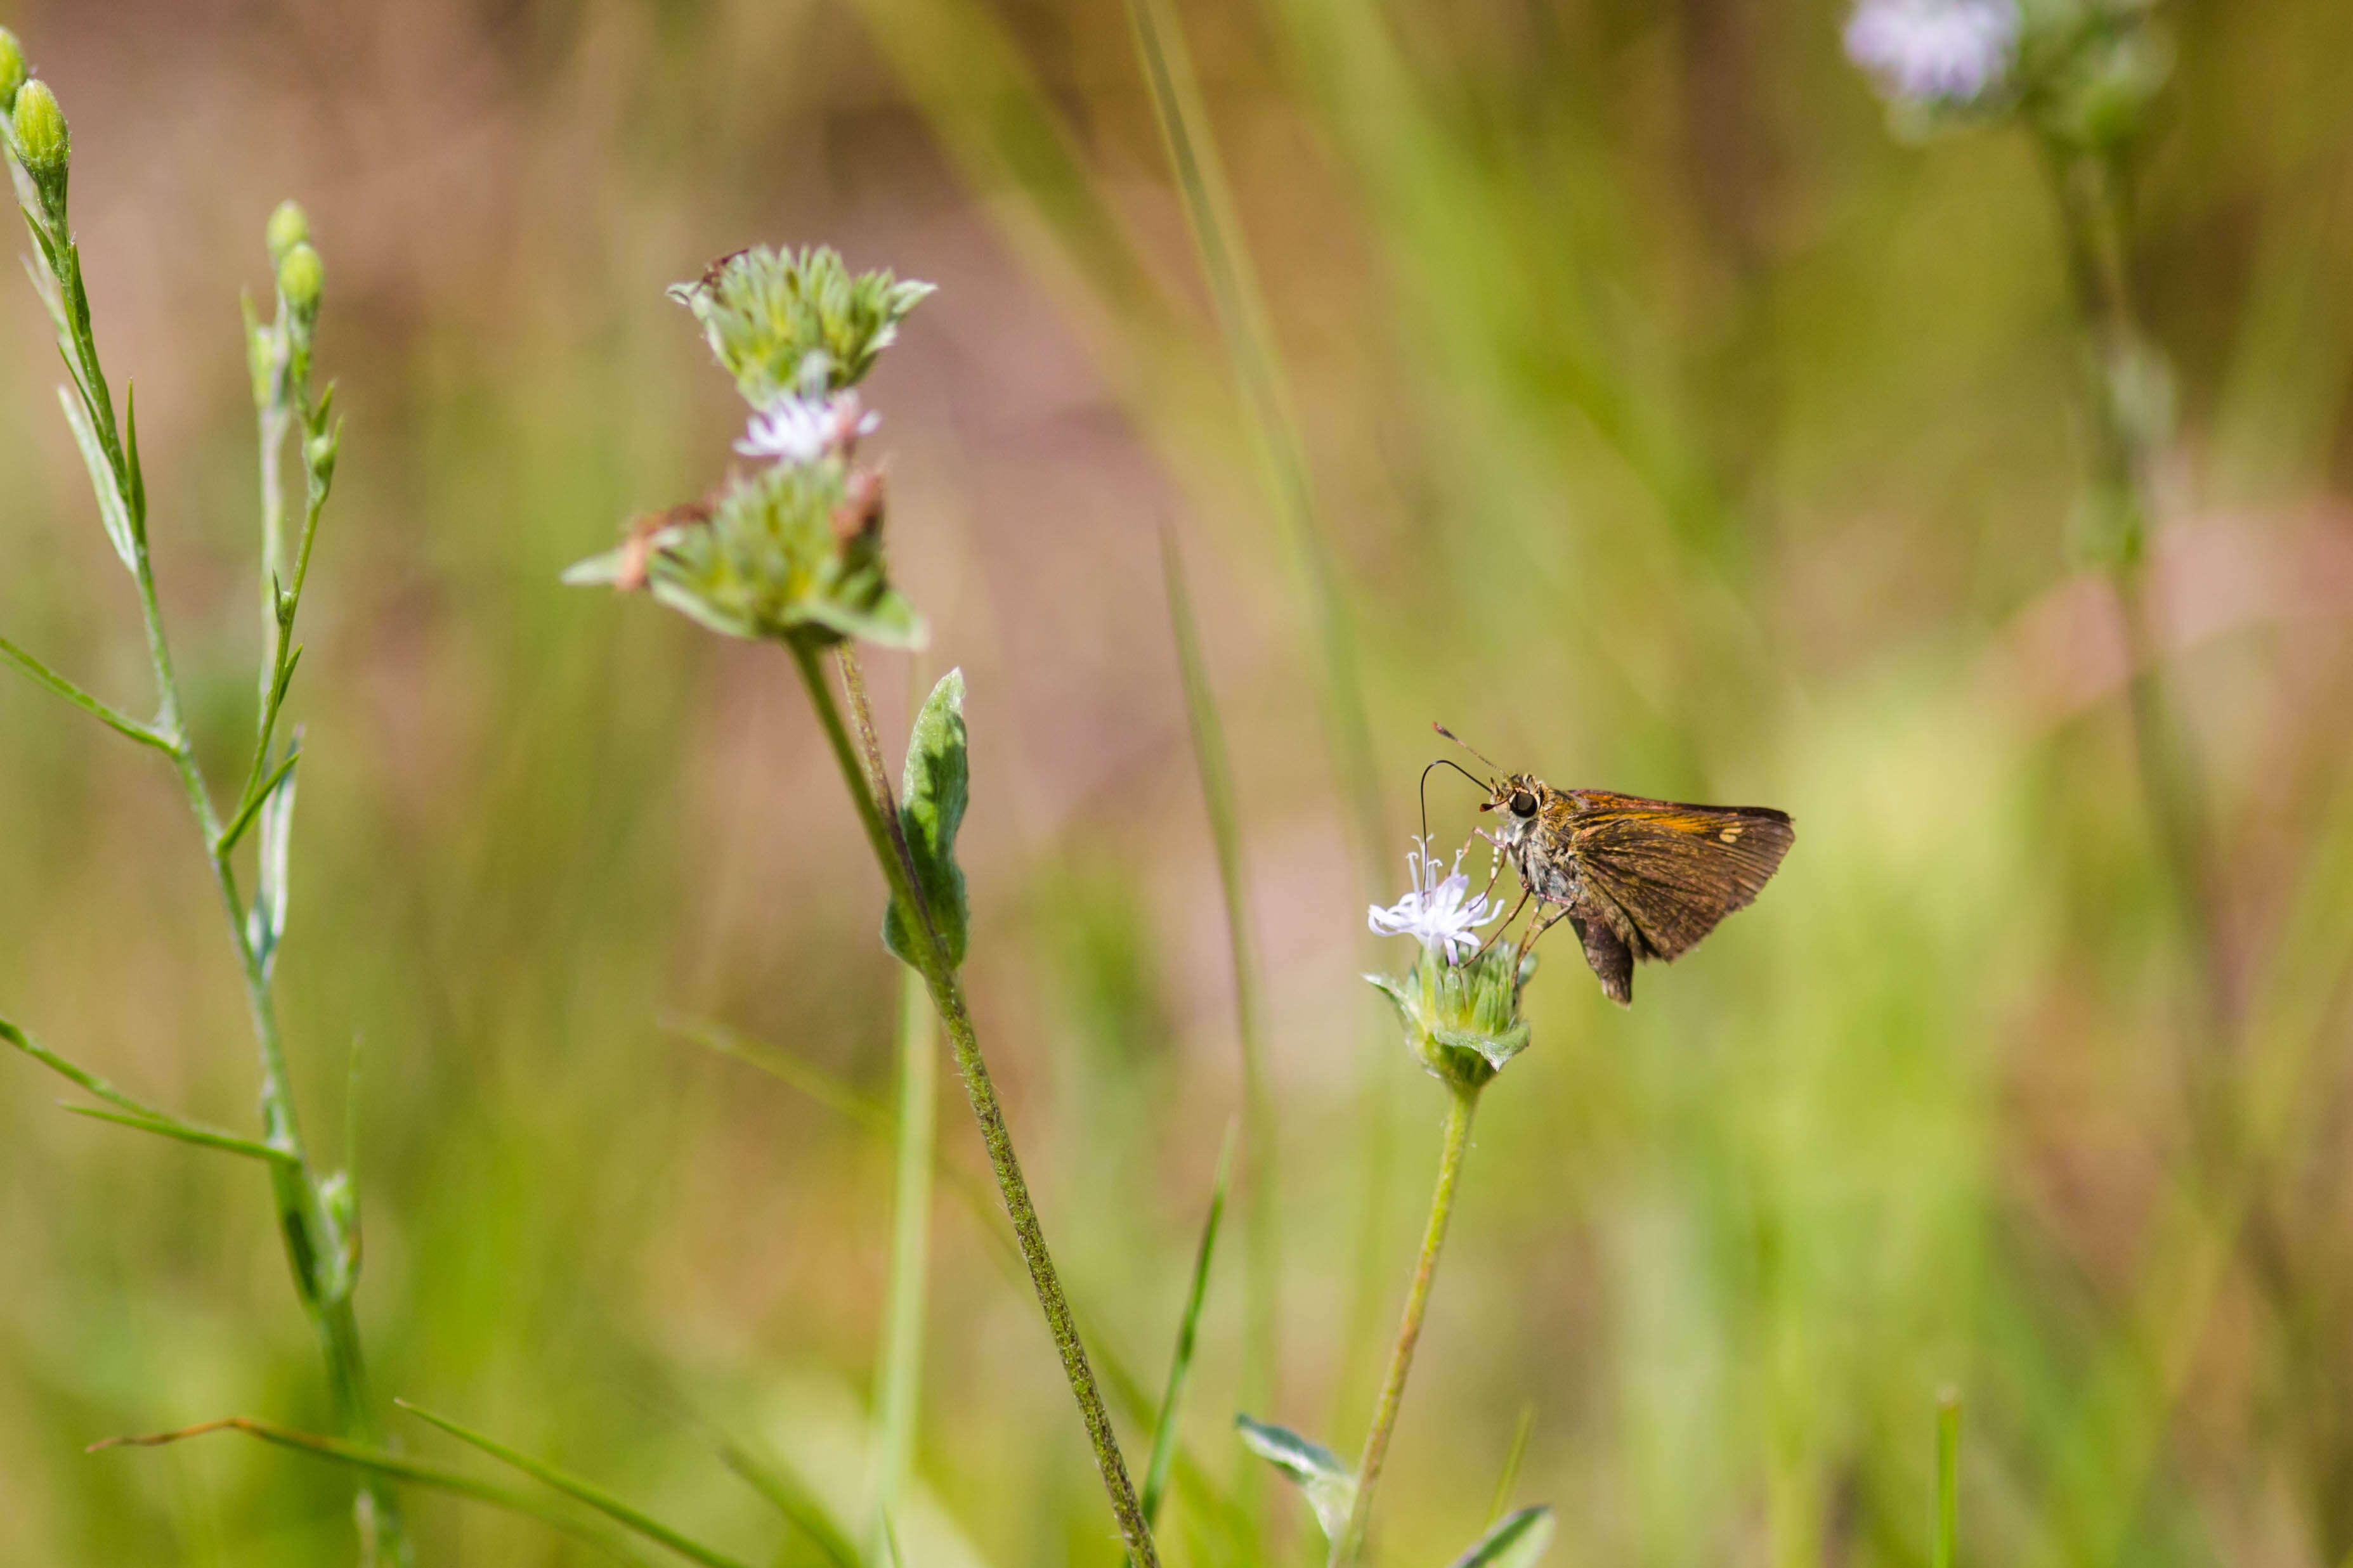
581, 1492
399, 1468
784, 1491
899, 1396
1513, 1458
1948, 1479
1250, 344
1181, 1364
1260, 1311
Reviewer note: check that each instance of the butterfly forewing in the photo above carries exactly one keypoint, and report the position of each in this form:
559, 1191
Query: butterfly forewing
1672, 870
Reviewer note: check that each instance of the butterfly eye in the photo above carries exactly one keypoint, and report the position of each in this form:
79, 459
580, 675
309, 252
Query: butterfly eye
1524, 805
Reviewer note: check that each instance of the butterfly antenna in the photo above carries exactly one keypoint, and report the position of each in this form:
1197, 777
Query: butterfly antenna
1468, 747
1458, 767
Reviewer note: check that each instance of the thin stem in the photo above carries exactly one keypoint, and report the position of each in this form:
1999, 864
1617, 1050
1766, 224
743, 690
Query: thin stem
2127, 449
315, 1250
947, 998
1350, 1541
900, 1394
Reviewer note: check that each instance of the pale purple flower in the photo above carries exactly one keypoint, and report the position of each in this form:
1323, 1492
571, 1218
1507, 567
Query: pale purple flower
1436, 912
800, 429
1934, 51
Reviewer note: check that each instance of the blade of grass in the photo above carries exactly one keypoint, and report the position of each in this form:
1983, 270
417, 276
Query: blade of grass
1180, 1364
394, 1467
133, 1112
580, 1491
1250, 345
1260, 1313
784, 1492
899, 1396
814, 1082
1948, 1479
1511, 1460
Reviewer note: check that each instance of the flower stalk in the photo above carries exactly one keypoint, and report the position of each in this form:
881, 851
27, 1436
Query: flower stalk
1349, 1544
869, 790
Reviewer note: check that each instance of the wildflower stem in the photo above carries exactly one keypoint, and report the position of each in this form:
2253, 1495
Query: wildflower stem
1350, 1541
868, 790
2126, 451
314, 1245
898, 1392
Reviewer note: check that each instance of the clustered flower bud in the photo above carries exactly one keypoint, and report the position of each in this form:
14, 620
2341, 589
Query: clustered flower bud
302, 277
289, 226
44, 147
792, 550
1463, 1020
12, 70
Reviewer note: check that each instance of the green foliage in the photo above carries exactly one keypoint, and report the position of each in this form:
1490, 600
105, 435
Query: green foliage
1327, 1484
12, 70
1517, 1542
932, 801
782, 321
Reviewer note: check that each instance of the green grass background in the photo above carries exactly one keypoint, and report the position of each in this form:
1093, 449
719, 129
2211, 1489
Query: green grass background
1668, 429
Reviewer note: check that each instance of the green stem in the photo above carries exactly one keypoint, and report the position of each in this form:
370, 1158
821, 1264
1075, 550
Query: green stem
900, 1394
947, 999
1349, 1544
314, 1244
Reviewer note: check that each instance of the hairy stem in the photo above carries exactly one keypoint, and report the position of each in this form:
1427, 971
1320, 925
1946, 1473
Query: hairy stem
887, 840
1350, 1541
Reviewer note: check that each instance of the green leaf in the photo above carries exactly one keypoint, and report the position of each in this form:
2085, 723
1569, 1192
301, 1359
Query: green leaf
890, 622
1517, 1542
111, 510
1330, 1489
187, 1133
783, 1491
399, 1468
596, 571
937, 787
612, 1508
42, 675
1180, 1365
132, 1112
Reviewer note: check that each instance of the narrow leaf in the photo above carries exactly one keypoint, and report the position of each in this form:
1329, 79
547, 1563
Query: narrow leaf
816, 1082
399, 1468
784, 1492
1517, 1542
612, 1508
937, 787
1180, 1365
43, 676
1330, 1489
253, 804
186, 1132
136, 1112
1948, 1479
131, 463
267, 919
101, 479
1512, 1459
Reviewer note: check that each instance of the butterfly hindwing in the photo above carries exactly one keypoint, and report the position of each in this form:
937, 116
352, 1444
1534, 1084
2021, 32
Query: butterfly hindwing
1672, 870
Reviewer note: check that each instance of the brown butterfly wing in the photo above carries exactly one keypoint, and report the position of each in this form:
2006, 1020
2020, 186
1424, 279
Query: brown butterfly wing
1670, 870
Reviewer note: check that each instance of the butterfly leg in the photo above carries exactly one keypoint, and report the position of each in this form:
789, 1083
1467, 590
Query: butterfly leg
1499, 927
1553, 917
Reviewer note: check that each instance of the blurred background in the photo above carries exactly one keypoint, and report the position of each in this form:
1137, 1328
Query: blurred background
1665, 426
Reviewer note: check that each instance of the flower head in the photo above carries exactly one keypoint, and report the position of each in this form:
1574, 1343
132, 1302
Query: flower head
1934, 51
802, 429
1436, 910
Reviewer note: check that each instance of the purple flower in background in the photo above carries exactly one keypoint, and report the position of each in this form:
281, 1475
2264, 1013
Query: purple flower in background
1936, 51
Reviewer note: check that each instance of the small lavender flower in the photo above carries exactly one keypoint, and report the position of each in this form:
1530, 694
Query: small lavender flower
1435, 911
1934, 51
798, 428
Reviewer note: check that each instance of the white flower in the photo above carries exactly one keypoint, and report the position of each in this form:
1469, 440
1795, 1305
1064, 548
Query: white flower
1435, 911
801, 429
1949, 51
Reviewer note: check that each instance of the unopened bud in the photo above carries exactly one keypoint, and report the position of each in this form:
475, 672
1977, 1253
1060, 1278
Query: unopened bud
289, 226
12, 68
42, 142
302, 277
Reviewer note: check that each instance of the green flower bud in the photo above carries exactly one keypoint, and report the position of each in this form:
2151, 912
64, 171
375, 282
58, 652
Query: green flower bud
1463, 1019
12, 70
302, 277
289, 226
43, 144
